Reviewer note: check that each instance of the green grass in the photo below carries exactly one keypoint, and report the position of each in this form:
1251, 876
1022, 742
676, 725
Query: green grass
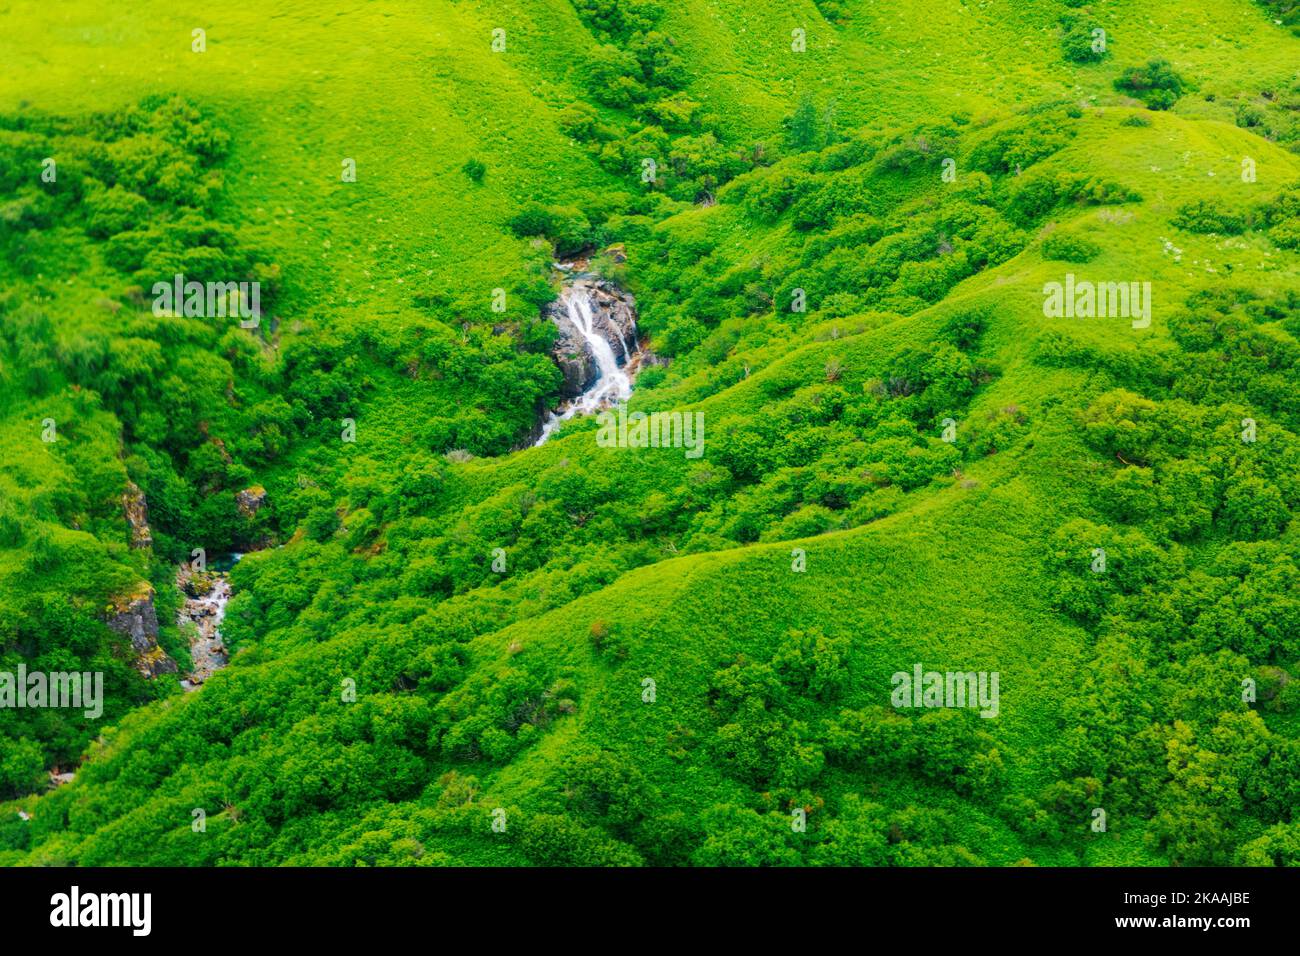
952, 572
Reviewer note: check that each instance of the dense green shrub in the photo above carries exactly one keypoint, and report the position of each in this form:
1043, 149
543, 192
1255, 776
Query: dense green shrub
1083, 40
1207, 216
1156, 84
566, 226
1065, 247
809, 127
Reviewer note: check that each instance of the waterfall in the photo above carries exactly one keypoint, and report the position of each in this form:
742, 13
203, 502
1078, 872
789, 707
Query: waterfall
622, 344
612, 384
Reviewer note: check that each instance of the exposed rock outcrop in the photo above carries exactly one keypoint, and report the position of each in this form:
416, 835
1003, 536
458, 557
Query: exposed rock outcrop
137, 516
613, 314
573, 357
135, 617
649, 359
250, 500
250, 503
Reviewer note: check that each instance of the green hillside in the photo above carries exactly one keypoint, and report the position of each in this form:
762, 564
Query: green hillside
451, 648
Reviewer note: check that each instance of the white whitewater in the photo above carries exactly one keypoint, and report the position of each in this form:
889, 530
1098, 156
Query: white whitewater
612, 384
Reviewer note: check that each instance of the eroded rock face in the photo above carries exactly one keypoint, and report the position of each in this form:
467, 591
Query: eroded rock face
571, 354
255, 535
138, 620
135, 617
137, 516
250, 500
613, 318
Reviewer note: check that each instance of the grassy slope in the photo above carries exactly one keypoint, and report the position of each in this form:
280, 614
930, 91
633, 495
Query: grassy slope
965, 558
412, 93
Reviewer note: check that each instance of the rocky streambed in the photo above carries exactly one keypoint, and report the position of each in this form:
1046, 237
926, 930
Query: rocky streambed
206, 594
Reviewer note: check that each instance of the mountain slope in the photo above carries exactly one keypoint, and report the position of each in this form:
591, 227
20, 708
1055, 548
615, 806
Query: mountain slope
828, 538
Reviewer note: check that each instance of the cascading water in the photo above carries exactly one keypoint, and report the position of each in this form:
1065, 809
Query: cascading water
612, 384
206, 596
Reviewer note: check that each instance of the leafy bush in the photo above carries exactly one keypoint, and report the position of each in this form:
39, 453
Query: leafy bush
1208, 216
114, 210
1156, 84
567, 228
1064, 247
1281, 216
1081, 41
1038, 193
809, 128
1019, 143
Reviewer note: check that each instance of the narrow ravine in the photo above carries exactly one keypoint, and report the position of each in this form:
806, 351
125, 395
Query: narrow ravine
206, 594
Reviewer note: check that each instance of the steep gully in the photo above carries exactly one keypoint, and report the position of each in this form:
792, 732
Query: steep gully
598, 353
